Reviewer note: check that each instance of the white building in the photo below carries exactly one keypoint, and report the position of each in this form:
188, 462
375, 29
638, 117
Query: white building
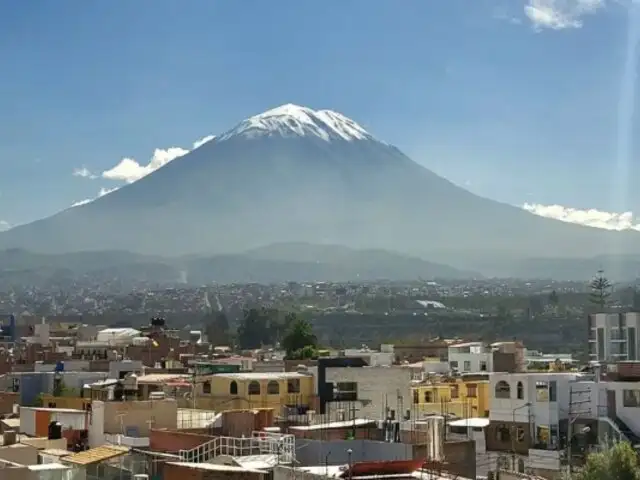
470, 357
527, 409
613, 336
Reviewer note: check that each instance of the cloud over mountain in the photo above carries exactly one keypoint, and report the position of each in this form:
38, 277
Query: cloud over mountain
590, 217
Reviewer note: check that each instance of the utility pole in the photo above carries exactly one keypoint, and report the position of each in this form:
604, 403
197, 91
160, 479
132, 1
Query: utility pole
584, 398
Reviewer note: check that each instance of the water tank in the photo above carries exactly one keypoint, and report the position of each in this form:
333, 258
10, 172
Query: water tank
435, 438
55, 431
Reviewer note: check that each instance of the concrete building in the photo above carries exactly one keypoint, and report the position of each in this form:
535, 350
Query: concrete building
613, 336
529, 415
470, 357
350, 386
257, 389
461, 397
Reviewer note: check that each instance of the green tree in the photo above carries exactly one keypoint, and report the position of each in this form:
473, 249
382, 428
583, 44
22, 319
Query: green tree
600, 290
619, 462
553, 298
259, 326
298, 338
216, 326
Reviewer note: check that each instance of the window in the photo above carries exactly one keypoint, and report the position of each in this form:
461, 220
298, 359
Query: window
542, 392
293, 385
233, 388
631, 339
454, 391
520, 465
502, 433
553, 391
453, 364
428, 396
520, 434
254, 388
472, 390
631, 398
520, 391
600, 337
273, 388
345, 392
503, 390
483, 366
206, 387
467, 366
416, 397
542, 435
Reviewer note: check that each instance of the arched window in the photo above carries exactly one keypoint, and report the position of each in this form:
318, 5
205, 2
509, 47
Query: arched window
503, 390
273, 388
254, 388
206, 387
520, 391
416, 397
233, 388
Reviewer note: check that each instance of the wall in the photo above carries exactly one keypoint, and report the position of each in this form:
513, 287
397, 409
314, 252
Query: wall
77, 403
460, 458
7, 401
473, 361
171, 441
223, 399
176, 472
378, 387
138, 414
314, 452
472, 398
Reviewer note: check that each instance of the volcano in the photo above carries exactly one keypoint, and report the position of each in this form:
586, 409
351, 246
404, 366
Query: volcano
297, 175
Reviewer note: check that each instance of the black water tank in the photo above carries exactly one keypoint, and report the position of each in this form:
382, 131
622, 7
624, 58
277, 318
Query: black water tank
55, 431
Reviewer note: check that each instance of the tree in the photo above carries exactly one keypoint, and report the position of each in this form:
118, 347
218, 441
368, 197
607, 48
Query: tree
553, 298
299, 338
618, 462
259, 326
216, 326
600, 290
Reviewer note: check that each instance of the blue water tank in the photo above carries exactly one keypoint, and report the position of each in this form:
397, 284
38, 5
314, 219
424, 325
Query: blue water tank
59, 366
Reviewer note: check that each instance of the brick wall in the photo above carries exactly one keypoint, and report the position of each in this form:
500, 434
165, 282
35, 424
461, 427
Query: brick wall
171, 441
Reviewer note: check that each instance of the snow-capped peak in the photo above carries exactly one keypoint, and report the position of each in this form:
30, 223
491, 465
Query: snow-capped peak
293, 120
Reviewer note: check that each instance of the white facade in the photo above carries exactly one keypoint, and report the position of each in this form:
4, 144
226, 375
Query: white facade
377, 389
610, 399
372, 357
614, 336
540, 399
471, 357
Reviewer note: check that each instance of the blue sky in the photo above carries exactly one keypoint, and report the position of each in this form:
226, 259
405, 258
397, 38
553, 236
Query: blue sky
514, 99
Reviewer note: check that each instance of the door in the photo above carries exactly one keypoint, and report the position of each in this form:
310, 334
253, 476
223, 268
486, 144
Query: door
611, 404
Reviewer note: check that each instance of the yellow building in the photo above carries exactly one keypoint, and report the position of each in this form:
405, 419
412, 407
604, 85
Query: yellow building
462, 398
228, 391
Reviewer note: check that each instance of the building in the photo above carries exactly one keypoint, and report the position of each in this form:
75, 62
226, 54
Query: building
470, 357
529, 415
461, 397
613, 336
351, 388
257, 389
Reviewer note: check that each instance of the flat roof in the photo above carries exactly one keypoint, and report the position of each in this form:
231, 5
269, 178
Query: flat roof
215, 467
263, 375
358, 422
476, 422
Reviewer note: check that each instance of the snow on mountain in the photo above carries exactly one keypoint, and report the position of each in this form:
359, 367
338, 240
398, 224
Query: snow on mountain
293, 120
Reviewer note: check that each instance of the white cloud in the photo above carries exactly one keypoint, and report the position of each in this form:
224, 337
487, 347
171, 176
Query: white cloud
202, 141
103, 191
4, 225
560, 14
129, 170
590, 218
84, 173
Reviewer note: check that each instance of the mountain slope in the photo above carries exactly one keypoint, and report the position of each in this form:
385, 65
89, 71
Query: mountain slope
297, 175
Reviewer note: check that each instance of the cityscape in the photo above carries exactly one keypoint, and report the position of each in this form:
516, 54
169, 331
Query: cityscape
365, 240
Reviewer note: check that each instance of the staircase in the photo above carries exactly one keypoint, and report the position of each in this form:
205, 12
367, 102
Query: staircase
627, 432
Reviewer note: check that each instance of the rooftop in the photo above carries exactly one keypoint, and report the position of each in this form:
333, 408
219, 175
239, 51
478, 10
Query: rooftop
263, 375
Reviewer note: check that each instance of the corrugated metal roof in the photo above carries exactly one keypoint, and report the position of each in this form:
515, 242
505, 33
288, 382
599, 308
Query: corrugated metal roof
96, 455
